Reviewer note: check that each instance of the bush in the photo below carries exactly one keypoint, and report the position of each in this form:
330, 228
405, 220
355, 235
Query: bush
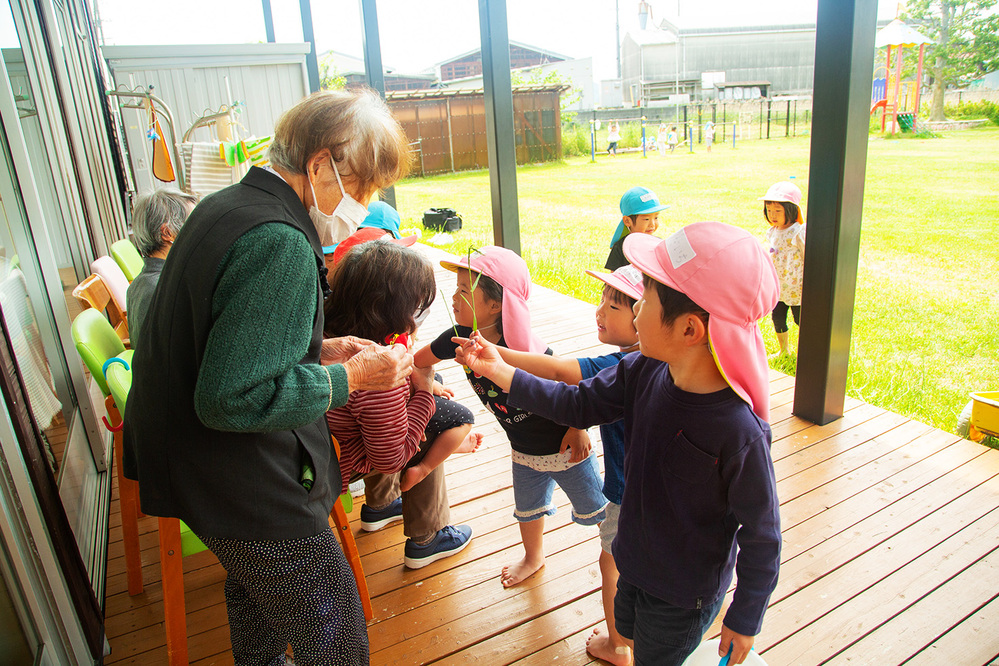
973, 111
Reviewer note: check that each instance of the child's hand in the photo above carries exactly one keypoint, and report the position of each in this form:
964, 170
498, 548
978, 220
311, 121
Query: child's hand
423, 379
579, 442
442, 391
483, 358
738, 643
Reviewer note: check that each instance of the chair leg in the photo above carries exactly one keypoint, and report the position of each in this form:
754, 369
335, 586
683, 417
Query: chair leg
128, 504
174, 611
338, 519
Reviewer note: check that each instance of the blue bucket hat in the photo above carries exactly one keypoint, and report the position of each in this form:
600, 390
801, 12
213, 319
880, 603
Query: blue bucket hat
382, 216
636, 201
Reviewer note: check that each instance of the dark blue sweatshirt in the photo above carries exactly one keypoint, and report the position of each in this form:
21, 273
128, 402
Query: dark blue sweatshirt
698, 482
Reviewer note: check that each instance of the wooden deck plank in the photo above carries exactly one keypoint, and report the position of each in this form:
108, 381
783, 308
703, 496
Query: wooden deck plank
920, 624
889, 530
972, 640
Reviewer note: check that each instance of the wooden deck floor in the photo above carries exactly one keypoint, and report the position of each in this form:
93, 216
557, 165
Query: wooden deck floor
891, 550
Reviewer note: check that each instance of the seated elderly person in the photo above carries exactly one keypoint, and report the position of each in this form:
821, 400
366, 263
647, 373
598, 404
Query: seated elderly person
156, 220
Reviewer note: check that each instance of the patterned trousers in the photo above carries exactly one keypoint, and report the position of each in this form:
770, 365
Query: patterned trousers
299, 592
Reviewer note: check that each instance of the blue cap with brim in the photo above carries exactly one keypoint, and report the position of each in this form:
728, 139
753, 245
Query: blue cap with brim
382, 216
636, 201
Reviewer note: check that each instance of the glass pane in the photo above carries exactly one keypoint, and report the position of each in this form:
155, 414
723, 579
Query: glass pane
19, 313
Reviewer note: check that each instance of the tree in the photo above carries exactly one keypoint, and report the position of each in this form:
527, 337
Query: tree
569, 96
329, 76
967, 46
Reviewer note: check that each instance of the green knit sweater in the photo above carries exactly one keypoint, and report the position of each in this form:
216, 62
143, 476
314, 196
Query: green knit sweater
251, 377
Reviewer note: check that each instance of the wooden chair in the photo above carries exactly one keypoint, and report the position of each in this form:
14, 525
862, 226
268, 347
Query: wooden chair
93, 293
177, 541
128, 258
96, 342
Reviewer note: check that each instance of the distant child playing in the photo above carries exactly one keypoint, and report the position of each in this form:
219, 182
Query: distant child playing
615, 326
491, 296
672, 139
639, 214
786, 236
709, 134
700, 497
661, 139
613, 137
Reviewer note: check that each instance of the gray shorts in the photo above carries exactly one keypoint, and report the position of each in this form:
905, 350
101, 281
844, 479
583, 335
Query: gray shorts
608, 528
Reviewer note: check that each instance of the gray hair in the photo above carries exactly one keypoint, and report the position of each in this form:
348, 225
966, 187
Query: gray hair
167, 206
367, 143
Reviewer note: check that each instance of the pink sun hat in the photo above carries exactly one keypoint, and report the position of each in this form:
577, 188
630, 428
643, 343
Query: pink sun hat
785, 191
510, 272
627, 279
725, 271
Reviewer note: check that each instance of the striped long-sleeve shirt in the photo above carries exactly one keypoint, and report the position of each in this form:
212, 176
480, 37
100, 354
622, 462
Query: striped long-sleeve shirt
379, 430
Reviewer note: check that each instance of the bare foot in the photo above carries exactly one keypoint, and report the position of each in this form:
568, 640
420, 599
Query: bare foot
471, 443
599, 645
413, 476
517, 573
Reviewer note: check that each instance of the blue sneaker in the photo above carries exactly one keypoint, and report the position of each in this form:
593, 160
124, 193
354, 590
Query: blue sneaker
372, 520
449, 540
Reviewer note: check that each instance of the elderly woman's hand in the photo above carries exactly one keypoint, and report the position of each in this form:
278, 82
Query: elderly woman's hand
377, 368
338, 350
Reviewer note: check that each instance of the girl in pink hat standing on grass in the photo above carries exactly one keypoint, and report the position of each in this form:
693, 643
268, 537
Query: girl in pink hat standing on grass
786, 237
700, 495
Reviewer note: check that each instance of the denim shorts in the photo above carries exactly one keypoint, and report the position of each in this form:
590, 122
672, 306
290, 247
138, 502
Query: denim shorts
664, 634
608, 528
532, 491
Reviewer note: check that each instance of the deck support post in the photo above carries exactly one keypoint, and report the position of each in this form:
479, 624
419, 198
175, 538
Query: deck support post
373, 69
844, 60
500, 138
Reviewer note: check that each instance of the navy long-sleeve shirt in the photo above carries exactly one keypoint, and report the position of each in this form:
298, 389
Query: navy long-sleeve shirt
699, 481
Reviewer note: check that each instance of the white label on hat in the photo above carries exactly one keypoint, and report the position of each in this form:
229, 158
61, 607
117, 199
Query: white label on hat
647, 197
679, 249
630, 273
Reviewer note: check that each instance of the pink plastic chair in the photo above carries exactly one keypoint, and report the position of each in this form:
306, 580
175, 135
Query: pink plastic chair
113, 277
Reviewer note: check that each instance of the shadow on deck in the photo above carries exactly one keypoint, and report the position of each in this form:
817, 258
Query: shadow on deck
890, 527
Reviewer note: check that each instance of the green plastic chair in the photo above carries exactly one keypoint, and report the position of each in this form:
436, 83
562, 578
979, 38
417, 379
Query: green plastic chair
127, 258
176, 539
96, 342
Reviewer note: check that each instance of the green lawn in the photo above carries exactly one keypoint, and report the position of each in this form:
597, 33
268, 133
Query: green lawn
926, 323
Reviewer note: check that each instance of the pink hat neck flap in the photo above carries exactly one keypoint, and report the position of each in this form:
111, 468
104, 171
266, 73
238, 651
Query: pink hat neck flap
725, 271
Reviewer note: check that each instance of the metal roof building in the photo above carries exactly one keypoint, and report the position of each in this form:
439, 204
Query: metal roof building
670, 60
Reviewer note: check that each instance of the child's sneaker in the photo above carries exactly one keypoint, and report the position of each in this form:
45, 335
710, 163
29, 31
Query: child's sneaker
449, 540
372, 520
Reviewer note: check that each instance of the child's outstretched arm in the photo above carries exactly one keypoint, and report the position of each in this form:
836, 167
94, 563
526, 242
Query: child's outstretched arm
594, 401
424, 358
556, 368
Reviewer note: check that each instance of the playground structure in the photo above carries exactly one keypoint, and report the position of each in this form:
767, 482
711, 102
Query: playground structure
897, 99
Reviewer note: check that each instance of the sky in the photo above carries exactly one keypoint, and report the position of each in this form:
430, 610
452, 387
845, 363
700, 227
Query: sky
415, 34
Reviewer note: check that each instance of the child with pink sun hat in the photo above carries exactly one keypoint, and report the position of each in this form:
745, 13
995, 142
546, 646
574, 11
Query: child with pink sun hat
700, 496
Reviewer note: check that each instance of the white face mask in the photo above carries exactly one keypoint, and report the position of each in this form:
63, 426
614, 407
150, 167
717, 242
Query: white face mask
345, 219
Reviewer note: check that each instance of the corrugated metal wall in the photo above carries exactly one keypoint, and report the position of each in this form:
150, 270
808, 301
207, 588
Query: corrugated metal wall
193, 80
448, 131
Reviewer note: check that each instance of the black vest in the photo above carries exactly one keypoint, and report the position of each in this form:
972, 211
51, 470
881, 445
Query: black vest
229, 485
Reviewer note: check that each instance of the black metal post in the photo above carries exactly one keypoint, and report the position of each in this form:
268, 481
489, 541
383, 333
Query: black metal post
373, 69
699, 118
844, 59
500, 138
268, 20
787, 120
312, 59
768, 118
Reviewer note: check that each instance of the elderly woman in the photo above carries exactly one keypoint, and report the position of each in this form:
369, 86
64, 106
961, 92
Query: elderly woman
233, 379
156, 220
